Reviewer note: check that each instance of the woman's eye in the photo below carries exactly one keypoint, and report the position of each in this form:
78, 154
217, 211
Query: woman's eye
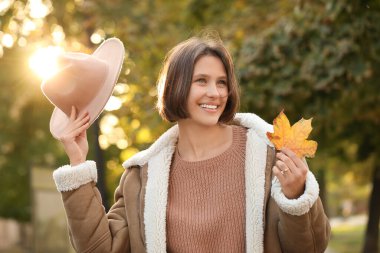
222, 83
201, 80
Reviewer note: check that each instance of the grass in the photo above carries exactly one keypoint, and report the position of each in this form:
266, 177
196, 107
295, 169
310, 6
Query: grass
347, 238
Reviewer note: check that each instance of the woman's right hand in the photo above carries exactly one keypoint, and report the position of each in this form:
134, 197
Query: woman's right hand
74, 138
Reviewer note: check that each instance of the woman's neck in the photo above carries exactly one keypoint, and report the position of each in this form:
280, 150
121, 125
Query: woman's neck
198, 142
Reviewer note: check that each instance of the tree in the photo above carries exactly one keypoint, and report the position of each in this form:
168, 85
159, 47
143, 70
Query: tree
323, 61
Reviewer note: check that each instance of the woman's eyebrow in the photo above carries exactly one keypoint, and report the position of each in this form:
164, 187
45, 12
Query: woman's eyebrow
200, 75
206, 75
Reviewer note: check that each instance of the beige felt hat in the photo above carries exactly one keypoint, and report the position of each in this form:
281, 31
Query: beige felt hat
85, 81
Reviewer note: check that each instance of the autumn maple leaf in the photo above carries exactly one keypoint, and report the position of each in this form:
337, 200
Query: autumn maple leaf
293, 137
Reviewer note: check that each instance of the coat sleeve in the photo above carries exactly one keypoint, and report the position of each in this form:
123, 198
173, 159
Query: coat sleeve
302, 224
309, 232
90, 228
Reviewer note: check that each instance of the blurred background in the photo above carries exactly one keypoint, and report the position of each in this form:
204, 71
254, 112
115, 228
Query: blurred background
318, 59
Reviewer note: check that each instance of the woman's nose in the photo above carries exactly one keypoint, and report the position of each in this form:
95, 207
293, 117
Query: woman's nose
212, 90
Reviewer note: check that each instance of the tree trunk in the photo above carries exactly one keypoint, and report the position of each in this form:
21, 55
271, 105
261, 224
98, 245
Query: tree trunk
99, 158
89, 25
321, 176
372, 233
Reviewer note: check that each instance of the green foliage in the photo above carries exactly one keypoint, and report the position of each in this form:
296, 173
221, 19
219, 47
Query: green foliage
321, 61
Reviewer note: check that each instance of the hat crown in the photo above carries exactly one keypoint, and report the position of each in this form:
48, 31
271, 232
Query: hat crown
78, 80
84, 81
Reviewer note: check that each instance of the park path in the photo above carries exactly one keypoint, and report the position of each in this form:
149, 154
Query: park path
352, 220
328, 250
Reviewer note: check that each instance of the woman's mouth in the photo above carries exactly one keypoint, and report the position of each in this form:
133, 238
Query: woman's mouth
207, 106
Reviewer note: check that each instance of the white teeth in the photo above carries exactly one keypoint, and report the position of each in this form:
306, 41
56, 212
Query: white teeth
209, 106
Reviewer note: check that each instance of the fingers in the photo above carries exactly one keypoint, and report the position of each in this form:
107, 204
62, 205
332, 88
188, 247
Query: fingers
83, 134
73, 114
75, 117
284, 162
81, 130
76, 126
277, 172
294, 158
81, 120
291, 171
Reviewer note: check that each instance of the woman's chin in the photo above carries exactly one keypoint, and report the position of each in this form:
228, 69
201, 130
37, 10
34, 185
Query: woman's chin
204, 121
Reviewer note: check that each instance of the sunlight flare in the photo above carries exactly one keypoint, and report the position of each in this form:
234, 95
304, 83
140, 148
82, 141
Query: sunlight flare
44, 61
5, 5
7, 40
39, 9
114, 103
58, 34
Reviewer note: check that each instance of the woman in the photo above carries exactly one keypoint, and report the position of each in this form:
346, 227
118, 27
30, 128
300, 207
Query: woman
211, 183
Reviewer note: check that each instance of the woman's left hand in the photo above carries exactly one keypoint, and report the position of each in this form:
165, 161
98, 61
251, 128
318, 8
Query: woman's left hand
291, 171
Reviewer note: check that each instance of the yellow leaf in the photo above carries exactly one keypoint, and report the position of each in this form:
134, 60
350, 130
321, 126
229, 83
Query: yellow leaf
293, 137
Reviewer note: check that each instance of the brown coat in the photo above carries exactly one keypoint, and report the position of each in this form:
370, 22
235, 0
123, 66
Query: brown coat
136, 222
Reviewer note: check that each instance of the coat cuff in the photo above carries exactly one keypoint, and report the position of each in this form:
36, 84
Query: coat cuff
68, 178
301, 205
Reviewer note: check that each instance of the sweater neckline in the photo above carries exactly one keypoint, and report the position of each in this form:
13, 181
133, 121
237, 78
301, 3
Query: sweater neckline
214, 158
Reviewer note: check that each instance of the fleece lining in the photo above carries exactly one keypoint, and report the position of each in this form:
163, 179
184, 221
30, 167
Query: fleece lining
68, 178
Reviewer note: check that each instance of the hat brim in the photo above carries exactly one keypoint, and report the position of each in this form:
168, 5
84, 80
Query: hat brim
112, 52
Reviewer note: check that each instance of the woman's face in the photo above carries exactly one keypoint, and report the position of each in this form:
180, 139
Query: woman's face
208, 92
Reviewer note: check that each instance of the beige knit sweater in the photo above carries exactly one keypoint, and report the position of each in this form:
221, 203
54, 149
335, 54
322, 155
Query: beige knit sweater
206, 201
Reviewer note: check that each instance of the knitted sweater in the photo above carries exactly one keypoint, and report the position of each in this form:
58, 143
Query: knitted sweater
206, 201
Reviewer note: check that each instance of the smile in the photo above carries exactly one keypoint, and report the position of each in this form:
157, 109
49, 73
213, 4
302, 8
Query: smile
209, 106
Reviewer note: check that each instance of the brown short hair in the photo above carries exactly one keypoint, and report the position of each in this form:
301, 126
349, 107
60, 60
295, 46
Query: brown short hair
176, 75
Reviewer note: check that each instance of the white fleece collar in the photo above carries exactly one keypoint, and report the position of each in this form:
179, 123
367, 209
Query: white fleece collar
169, 138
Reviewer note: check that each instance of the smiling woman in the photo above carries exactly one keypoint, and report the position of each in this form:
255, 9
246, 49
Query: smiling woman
44, 61
205, 185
